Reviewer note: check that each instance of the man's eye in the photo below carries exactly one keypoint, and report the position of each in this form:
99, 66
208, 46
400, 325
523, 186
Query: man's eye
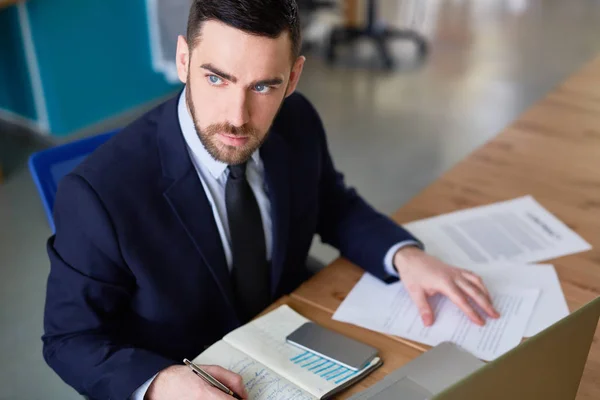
262, 89
214, 80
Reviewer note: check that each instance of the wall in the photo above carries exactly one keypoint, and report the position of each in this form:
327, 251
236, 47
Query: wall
94, 60
15, 89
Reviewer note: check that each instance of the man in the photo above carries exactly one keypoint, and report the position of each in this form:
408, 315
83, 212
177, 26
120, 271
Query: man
198, 215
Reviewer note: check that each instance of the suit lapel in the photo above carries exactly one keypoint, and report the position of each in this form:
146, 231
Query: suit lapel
274, 154
187, 198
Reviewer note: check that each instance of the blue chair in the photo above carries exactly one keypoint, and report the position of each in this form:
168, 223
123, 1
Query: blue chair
48, 166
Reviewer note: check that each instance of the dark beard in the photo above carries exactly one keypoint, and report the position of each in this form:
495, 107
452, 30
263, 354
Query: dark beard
227, 154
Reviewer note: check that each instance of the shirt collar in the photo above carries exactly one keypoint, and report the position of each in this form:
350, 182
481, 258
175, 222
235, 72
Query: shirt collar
199, 152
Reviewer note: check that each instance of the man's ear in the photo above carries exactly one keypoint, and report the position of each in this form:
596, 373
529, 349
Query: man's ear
295, 75
182, 60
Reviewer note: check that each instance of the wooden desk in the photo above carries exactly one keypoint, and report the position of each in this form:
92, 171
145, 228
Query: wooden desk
551, 152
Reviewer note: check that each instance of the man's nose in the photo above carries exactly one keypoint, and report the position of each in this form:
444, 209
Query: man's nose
239, 114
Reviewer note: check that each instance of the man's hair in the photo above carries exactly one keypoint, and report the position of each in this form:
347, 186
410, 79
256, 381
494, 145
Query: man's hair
257, 17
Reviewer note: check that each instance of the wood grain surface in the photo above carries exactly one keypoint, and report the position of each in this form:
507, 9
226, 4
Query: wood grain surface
551, 152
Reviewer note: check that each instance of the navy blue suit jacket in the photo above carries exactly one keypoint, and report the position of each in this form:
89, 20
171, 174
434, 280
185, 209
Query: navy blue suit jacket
138, 276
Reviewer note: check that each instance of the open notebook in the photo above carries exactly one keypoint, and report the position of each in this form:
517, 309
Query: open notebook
275, 370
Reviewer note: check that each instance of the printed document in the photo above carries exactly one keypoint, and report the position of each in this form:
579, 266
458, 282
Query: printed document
514, 231
551, 305
374, 305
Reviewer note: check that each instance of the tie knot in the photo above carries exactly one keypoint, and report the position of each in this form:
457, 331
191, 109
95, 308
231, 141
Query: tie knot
237, 171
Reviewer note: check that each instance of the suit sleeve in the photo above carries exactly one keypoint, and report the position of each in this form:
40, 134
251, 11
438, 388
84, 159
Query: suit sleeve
347, 222
89, 289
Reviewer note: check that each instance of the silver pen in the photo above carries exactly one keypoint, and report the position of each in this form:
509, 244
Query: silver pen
211, 380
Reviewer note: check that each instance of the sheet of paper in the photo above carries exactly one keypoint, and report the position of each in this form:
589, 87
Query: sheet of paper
551, 305
264, 339
261, 383
516, 231
388, 308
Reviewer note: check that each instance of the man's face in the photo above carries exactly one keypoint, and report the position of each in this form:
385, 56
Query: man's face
235, 85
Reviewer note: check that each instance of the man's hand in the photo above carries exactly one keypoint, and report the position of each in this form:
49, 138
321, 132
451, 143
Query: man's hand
424, 276
179, 382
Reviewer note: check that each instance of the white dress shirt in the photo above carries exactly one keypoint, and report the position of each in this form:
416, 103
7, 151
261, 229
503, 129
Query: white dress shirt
213, 176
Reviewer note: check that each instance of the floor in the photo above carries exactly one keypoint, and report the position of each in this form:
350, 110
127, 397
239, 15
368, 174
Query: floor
391, 133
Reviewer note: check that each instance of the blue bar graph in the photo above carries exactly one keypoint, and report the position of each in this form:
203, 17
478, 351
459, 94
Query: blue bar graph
323, 368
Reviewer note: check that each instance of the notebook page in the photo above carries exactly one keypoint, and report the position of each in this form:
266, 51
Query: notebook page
264, 340
261, 383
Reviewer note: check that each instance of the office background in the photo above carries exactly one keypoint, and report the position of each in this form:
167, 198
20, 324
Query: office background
72, 68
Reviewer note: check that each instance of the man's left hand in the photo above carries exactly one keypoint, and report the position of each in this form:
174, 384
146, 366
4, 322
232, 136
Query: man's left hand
424, 276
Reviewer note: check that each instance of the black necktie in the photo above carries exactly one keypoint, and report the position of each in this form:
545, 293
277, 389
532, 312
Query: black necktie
250, 273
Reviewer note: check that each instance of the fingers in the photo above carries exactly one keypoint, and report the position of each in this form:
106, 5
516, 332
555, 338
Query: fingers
457, 296
212, 393
487, 305
476, 280
477, 296
232, 380
417, 294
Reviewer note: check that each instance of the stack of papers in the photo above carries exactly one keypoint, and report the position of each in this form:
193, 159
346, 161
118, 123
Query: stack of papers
514, 231
496, 242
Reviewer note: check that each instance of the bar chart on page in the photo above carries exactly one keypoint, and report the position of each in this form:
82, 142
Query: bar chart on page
323, 368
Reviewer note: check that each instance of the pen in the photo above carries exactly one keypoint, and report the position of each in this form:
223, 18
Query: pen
211, 380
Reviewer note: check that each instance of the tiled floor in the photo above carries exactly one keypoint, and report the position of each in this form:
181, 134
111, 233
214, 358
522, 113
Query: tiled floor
391, 133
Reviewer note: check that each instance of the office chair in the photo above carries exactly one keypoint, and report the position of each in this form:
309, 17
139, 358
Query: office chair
47, 167
377, 32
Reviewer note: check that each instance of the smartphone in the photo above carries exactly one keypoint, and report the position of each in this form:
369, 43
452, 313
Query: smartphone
332, 346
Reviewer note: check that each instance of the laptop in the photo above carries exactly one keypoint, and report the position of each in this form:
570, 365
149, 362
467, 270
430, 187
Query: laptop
547, 366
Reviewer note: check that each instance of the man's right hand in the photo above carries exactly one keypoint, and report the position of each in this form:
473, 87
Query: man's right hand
179, 382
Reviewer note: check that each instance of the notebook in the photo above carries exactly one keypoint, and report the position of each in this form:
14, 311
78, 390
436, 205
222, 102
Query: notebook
275, 370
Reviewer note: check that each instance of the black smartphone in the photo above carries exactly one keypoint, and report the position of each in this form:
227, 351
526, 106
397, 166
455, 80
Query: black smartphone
332, 346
